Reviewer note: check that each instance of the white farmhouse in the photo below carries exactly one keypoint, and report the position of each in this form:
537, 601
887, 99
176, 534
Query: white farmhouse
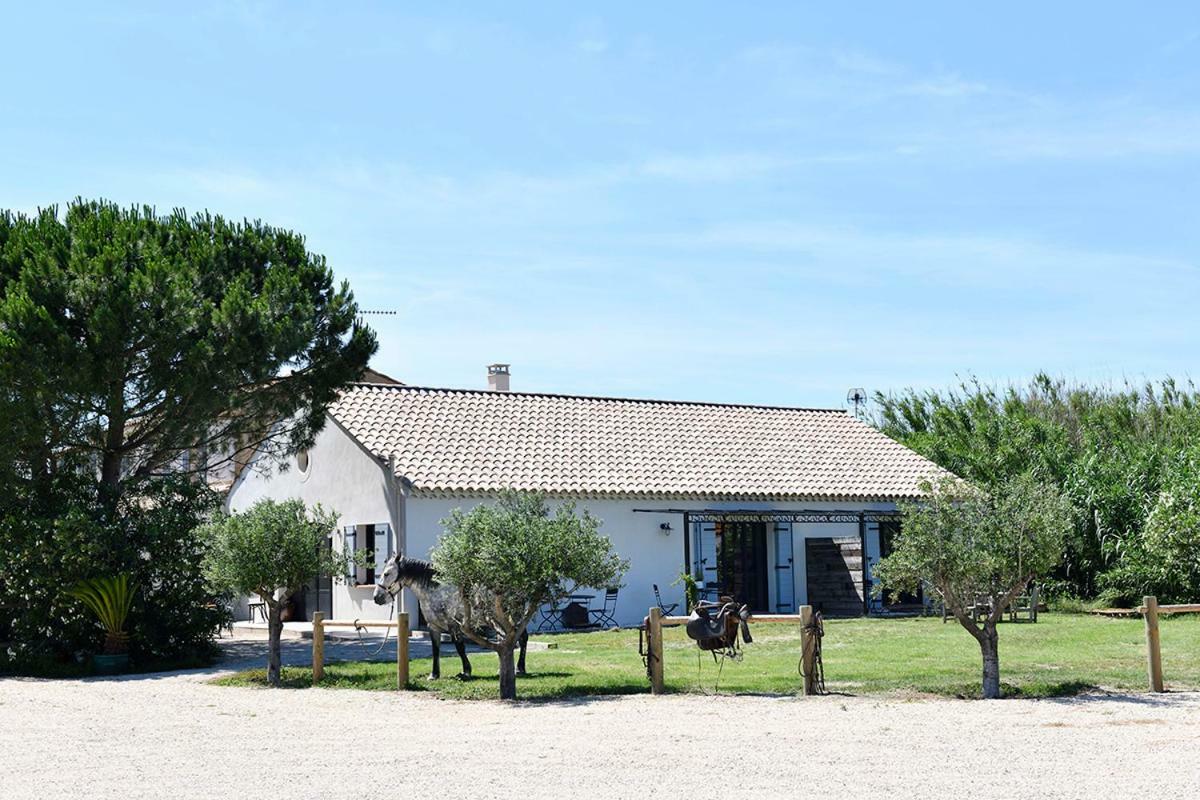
776, 506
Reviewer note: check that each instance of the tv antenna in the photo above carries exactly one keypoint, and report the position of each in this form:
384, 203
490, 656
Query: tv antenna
375, 313
858, 398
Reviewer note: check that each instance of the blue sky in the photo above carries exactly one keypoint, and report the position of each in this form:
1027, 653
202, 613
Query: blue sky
677, 200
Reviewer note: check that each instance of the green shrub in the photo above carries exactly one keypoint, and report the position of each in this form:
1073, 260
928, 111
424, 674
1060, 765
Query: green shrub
1067, 604
54, 540
1115, 451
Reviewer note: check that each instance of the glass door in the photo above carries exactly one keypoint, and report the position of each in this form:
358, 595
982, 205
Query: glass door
742, 563
704, 558
785, 581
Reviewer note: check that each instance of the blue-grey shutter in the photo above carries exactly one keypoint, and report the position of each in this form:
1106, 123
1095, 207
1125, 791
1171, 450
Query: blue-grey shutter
365, 572
785, 580
350, 547
383, 546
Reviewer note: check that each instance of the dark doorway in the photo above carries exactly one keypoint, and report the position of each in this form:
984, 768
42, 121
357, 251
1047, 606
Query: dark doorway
318, 595
834, 569
742, 562
895, 601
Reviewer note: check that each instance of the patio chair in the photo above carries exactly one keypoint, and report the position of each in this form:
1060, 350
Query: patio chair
551, 618
666, 610
605, 615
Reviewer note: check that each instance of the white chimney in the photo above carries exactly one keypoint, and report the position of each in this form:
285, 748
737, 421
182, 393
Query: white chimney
498, 377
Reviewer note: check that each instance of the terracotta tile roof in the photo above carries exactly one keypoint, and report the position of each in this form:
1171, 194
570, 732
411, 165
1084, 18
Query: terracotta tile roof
463, 441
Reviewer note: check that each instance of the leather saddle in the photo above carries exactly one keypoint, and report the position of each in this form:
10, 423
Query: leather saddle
714, 626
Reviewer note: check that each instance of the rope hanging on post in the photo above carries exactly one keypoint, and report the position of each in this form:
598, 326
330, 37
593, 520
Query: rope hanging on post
645, 650
360, 628
816, 629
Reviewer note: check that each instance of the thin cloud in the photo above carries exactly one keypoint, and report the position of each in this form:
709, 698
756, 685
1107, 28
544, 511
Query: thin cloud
945, 86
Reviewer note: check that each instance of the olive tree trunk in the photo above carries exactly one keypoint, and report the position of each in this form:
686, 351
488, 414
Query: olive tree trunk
508, 671
274, 633
989, 646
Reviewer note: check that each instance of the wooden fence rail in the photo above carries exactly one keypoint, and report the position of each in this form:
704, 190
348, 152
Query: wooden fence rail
320, 624
1150, 609
656, 621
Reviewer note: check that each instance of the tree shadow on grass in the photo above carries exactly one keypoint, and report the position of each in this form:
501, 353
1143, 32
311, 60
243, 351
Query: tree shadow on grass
1048, 689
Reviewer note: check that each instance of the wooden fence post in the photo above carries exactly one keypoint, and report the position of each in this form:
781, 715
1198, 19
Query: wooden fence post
402, 650
808, 648
318, 654
1153, 651
656, 650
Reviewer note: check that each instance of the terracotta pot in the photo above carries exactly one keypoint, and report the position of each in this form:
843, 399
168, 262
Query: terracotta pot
116, 644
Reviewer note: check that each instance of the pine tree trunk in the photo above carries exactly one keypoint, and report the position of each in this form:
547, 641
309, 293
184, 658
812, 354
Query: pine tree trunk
990, 647
114, 439
275, 631
508, 672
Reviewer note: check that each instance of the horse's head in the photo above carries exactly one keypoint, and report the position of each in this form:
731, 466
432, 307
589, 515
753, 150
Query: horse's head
387, 586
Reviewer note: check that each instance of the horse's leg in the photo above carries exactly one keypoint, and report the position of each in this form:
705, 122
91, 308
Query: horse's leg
521, 659
461, 647
435, 639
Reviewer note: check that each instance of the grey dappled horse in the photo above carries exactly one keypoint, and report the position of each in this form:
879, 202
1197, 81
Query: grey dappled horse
441, 603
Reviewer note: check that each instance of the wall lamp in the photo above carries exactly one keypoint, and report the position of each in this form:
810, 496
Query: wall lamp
665, 527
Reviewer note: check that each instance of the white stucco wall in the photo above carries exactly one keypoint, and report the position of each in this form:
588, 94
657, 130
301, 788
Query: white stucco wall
342, 477
654, 557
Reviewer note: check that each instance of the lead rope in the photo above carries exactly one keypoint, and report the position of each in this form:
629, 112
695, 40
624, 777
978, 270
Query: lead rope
816, 629
359, 630
647, 652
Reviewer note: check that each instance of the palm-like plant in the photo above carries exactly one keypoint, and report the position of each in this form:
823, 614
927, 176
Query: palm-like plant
109, 599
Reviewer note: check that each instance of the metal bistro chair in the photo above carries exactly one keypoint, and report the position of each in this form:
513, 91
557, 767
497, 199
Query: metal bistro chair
666, 610
551, 618
605, 616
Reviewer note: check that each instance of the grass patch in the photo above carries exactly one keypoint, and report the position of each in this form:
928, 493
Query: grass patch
1062, 654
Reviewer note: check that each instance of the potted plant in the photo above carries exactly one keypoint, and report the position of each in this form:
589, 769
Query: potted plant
110, 600
691, 589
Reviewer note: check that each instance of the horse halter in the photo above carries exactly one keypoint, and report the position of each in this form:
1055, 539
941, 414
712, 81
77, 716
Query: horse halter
394, 589
392, 592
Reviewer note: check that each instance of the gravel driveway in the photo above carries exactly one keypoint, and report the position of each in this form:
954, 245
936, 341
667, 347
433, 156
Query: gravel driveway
175, 736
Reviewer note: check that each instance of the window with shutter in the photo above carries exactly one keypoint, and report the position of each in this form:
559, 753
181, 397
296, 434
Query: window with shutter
383, 546
371, 545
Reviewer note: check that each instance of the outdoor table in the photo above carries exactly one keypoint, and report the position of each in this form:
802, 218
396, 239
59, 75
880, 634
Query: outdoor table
552, 615
260, 607
583, 601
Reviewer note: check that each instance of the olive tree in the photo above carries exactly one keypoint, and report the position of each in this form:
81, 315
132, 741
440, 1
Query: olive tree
272, 550
511, 558
975, 547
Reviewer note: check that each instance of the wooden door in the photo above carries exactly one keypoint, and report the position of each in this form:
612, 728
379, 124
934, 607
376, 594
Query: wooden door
834, 567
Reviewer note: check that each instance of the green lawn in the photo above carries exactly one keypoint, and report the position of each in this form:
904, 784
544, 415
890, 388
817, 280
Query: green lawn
1061, 654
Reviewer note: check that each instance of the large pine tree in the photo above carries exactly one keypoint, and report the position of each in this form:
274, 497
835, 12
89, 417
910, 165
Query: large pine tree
127, 338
